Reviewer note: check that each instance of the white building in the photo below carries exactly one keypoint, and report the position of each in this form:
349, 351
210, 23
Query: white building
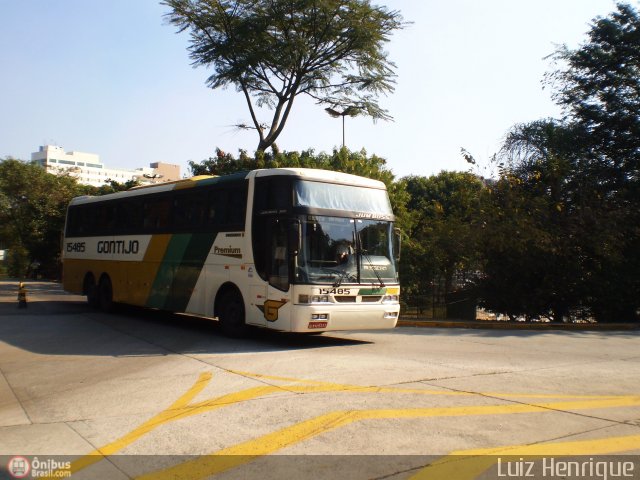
89, 170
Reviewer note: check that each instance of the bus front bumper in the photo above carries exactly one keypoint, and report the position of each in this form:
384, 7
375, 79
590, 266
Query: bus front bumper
331, 317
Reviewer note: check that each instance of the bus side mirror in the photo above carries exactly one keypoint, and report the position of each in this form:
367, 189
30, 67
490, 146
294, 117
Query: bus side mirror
397, 243
295, 238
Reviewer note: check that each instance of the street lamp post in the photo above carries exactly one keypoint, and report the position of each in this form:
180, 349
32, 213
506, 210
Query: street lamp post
349, 111
152, 176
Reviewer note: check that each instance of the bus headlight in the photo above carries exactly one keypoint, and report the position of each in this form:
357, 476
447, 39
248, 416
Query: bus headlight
313, 299
390, 299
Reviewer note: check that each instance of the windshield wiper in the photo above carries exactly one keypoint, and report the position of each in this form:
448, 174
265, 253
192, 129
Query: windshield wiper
363, 252
372, 266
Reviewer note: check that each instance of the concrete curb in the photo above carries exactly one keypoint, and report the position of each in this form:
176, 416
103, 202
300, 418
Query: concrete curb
493, 325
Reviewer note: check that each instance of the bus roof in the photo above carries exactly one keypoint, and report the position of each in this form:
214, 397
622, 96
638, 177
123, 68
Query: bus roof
316, 174
312, 174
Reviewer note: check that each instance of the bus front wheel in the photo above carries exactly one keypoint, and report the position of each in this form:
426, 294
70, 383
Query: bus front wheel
231, 314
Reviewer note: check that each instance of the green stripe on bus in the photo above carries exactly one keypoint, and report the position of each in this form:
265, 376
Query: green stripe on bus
187, 272
166, 273
372, 291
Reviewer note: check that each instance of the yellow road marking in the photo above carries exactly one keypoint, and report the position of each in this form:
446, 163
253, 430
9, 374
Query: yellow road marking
359, 388
231, 457
469, 464
244, 452
151, 424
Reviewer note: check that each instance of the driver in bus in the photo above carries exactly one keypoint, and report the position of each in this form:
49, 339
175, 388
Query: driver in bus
343, 252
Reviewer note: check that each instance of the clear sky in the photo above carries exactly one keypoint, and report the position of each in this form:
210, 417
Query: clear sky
112, 78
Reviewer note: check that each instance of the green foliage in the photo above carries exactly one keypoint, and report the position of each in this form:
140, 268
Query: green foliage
598, 85
342, 160
531, 265
599, 89
32, 212
273, 51
33, 207
18, 262
442, 235
561, 222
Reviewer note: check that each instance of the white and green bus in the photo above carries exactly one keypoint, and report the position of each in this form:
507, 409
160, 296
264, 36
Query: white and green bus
291, 249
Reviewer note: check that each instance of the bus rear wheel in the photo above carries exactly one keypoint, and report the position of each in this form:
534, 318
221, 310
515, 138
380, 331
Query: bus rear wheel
105, 294
231, 314
90, 289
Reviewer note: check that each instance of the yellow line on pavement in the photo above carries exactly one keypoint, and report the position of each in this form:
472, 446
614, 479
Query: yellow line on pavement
163, 417
183, 408
366, 389
242, 453
178, 410
469, 464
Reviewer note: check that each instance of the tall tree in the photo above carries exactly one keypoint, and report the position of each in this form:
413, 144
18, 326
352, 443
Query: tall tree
532, 261
598, 85
564, 219
274, 50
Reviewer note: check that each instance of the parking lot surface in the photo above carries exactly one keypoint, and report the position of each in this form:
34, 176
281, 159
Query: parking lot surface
146, 394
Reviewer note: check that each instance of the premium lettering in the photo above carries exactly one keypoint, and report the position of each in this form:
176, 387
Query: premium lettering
226, 251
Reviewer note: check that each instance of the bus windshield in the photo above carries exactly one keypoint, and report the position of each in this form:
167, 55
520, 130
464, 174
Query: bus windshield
342, 197
340, 250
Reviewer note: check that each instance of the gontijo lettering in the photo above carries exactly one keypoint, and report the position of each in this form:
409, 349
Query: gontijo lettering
118, 246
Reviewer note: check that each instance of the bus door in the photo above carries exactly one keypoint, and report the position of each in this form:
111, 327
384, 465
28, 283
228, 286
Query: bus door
275, 293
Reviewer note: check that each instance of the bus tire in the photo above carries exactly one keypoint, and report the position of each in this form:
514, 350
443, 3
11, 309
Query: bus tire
90, 289
231, 314
105, 294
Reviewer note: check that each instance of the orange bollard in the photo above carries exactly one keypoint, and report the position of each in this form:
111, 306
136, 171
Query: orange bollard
22, 296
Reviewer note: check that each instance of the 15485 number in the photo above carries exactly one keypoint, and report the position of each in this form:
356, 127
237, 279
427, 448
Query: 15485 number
75, 247
335, 291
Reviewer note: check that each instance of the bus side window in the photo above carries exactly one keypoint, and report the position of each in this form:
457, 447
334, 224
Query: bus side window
211, 215
279, 194
269, 232
238, 202
105, 219
279, 268
216, 207
156, 214
148, 221
188, 211
86, 219
73, 222
128, 218
134, 215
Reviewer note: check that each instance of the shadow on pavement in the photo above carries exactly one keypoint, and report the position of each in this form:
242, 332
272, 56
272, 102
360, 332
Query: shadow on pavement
65, 325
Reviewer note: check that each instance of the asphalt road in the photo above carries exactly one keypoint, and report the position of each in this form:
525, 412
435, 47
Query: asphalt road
143, 394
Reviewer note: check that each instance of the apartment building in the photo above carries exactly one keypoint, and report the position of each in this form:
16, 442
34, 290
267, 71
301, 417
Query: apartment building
89, 170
